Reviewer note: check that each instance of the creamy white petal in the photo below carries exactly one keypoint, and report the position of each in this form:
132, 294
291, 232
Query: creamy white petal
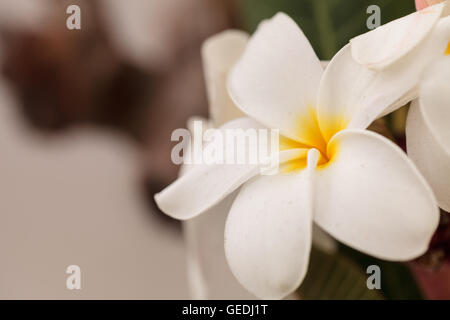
435, 100
276, 80
209, 274
352, 96
190, 125
204, 185
428, 154
372, 198
388, 43
219, 53
268, 232
324, 63
428, 130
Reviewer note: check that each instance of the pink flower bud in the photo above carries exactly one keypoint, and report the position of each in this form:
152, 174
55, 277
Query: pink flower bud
422, 4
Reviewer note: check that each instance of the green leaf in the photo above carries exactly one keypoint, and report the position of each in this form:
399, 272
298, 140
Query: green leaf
397, 281
335, 277
328, 24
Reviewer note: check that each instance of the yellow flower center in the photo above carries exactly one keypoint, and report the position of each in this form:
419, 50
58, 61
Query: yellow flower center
313, 136
447, 51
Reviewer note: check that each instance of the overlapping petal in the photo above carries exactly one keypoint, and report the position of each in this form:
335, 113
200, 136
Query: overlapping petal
209, 273
435, 99
352, 96
204, 185
268, 232
428, 154
379, 48
219, 54
428, 130
373, 198
276, 80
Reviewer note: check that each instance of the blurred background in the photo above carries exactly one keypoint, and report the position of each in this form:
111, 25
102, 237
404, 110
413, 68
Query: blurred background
85, 123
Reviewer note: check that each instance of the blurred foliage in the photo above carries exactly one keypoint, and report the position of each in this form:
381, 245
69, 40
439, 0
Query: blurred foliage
397, 281
328, 24
335, 277
439, 252
342, 276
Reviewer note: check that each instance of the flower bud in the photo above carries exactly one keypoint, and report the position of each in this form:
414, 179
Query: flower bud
422, 4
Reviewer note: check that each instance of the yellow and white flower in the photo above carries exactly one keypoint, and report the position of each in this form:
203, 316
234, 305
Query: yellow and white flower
355, 184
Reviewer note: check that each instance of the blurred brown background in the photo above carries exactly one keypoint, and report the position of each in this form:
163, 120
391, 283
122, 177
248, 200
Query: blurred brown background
85, 123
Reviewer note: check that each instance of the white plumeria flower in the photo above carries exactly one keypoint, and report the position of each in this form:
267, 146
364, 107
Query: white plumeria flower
355, 184
209, 274
428, 130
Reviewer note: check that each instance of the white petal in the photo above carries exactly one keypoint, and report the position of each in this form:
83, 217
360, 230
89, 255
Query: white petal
190, 125
219, 53
352, 96
204, 185
210, 276
428, 154
428, 130
385, 45
324, 63
268, 232
373, 198
435, 99
276, 80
